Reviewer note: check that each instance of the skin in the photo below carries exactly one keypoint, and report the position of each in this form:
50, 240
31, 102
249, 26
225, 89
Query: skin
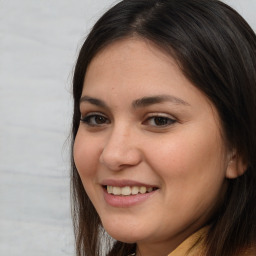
183, 153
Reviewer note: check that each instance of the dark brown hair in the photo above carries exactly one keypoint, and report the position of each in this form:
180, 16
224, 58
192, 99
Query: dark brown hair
216, 51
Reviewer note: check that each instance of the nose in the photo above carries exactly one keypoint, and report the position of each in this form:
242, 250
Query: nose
121, 150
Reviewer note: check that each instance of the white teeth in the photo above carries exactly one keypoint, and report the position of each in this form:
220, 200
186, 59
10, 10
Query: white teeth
126, 191
110, 189
117, 191
135, 190
149, 190
143, 190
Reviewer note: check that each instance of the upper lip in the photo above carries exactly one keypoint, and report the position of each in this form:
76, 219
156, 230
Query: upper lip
123, 183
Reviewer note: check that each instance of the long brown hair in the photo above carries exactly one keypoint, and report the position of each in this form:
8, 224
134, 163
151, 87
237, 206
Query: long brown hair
216, 51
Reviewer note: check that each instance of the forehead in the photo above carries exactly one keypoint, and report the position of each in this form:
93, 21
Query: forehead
131, 61
139, 67
133, 44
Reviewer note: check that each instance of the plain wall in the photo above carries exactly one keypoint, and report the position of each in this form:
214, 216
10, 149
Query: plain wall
39, 42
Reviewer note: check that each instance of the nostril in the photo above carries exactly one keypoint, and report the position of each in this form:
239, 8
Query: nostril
120, 157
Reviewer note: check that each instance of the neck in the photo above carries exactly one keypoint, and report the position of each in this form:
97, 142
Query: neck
179, 246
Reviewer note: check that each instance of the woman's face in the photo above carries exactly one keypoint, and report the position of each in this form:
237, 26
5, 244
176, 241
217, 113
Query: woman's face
149, 148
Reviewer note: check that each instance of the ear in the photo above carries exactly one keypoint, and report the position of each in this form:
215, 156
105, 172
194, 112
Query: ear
236, 166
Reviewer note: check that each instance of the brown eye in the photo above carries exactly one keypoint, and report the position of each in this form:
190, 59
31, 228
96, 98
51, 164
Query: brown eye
159, 121
99, 119
95, 120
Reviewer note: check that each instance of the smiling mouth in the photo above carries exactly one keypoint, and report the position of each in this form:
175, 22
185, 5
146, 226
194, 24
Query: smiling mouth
128, 190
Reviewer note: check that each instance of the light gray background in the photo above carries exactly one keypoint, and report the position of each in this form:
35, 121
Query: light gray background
39, 42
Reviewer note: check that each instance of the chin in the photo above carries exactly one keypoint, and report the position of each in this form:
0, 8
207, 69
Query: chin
124, 239
125, 235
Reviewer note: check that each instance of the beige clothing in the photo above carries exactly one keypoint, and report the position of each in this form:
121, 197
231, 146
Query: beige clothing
194, 246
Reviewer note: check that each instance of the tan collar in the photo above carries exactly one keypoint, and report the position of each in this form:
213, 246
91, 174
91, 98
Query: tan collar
192, 246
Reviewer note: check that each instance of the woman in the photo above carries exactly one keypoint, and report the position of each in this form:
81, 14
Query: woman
164, 131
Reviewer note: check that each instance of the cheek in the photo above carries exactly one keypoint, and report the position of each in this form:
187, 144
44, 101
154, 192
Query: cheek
86, 155
191, 161
192, 173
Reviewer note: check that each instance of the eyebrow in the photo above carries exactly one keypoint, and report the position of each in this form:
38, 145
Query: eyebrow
147, 101
142, 102
93, 101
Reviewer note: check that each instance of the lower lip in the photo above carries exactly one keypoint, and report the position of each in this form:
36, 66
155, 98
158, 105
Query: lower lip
126, 201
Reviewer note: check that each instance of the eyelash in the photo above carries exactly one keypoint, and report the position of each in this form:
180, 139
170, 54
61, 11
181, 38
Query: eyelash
91, 120
88, 119
166, 121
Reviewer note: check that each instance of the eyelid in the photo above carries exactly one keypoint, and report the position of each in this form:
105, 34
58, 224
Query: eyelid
172, 119
158, 114
91, 115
